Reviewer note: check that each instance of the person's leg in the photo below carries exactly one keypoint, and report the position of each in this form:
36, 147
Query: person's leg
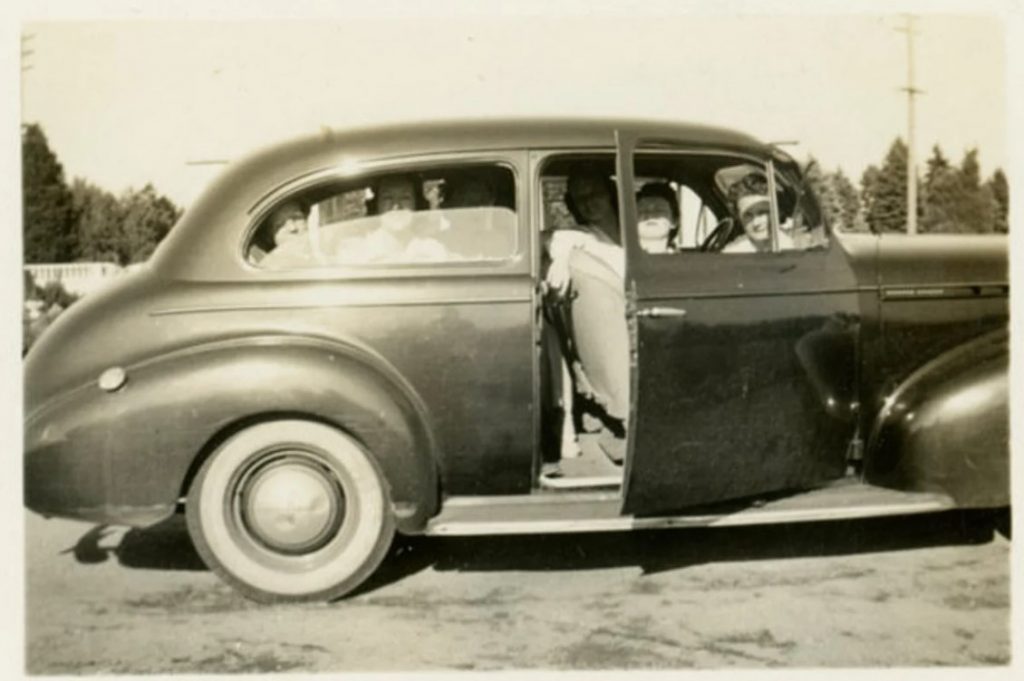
558, 436
570, 443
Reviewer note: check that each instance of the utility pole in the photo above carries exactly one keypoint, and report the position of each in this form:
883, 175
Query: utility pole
26, 51
911, 91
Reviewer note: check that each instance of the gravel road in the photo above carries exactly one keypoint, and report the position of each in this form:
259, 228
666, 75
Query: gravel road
897, 591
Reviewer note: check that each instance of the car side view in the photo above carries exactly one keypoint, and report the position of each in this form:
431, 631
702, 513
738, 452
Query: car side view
522, 326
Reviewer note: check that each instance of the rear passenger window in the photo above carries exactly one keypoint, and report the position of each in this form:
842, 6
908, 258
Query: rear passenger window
443, 215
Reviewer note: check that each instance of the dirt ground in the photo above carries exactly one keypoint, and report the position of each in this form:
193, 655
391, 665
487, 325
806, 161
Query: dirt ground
915, 591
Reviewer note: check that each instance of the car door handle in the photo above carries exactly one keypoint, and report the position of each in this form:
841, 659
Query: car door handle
661, 312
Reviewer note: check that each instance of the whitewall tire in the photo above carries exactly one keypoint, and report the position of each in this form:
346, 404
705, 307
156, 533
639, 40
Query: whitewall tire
290, 510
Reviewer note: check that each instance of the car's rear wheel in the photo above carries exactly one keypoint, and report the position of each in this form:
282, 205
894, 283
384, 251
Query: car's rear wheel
290, 510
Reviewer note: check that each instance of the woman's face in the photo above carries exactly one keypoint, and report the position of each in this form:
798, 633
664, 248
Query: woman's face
396, 202
755, 222
396, 194
289, 223
654, 208
590, 194
654, 218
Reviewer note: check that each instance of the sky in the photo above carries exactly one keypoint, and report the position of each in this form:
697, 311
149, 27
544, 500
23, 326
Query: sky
128, 102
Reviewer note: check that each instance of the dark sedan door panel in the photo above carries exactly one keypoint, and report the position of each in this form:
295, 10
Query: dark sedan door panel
743, 395
744, 370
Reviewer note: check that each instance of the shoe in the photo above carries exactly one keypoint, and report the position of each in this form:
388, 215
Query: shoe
550, 469
613, 447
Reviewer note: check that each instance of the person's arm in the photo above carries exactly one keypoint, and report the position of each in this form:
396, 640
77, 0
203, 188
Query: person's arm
561, 246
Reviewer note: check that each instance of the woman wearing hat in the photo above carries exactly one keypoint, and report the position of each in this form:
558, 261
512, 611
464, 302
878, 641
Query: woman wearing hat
754, 211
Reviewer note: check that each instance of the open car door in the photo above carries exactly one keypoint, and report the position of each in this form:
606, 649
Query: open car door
743, 363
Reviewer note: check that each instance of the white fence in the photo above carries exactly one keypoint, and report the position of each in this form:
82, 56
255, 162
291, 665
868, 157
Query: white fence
80, 278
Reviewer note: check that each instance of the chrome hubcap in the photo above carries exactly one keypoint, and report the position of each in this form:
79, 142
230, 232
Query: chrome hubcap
292, 505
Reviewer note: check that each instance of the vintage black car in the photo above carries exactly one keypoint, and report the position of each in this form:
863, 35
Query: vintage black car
358, 333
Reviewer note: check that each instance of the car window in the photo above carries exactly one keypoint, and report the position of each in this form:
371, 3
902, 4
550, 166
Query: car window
800, 224
598, 173
800, 214
439, 215
696, 219
679, 207
671, 215
716, 203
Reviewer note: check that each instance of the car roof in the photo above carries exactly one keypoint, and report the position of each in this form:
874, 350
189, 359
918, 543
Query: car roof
353, 146
192, 246
426, 137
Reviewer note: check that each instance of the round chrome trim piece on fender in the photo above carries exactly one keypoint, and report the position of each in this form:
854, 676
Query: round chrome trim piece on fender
112, 379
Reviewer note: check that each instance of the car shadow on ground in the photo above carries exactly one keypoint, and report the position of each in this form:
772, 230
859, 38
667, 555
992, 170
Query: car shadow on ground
166, 546
663, 550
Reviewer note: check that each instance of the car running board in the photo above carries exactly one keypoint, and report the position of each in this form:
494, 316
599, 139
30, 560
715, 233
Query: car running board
560, 482
544, 513
597, 466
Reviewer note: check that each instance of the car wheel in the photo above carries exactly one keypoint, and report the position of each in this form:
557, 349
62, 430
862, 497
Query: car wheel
290, 511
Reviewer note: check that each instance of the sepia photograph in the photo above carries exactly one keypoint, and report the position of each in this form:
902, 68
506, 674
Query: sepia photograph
512, 337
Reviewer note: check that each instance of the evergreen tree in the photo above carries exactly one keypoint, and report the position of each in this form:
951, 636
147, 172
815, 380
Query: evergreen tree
940, 195
954, 198
837, 197
1001, 193
887, 210
850, 215
869, 181
47, 210
973, 208
937, 164
148, 216
99, 223
970, 170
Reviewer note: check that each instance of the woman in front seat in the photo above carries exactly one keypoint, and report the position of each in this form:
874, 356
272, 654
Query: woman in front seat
754, 212
657, 213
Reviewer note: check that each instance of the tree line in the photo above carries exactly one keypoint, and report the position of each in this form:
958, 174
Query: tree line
951, 198
81, 222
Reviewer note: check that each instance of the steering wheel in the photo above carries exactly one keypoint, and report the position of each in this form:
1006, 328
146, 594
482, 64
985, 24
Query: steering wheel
719, 236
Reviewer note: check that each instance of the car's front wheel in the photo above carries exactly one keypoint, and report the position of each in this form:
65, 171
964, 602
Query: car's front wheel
290, 510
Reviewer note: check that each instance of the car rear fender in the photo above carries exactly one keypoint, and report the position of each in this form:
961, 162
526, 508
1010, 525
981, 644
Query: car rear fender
130, 454
946, 428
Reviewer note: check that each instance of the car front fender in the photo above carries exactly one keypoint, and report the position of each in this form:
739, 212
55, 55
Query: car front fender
946, 428
127, 455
